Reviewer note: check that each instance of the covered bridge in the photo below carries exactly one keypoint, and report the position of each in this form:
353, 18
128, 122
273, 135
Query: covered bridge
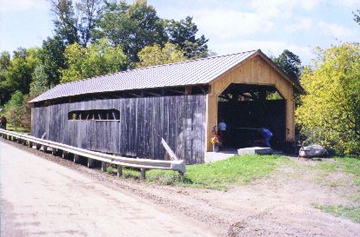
128, 113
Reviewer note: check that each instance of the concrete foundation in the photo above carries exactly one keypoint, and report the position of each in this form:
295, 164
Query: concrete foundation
255, 150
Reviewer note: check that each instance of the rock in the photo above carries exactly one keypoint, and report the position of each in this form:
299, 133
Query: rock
312, 151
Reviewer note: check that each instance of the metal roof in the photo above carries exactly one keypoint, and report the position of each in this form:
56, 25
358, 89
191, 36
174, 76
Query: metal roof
192, 72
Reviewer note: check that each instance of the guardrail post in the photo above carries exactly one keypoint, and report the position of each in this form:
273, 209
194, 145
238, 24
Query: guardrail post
76, 159
142, 173
54, 152
119, 171
103, 166
30, 144
45, 149
38, 146
64, 155
90, 163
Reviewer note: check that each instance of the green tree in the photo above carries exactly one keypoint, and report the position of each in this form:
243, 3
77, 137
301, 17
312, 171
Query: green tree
290, 63
89, 12
5, 61
357, 16
98, 59
52, 59
74, 23
183, 33
330, 109
39, 83
66, 25
155, 55
18, 74
132, 27
13, 109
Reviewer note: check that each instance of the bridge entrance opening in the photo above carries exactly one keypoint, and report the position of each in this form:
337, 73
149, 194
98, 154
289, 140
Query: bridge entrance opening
246, 109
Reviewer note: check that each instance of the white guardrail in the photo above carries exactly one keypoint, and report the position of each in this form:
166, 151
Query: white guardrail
142, 164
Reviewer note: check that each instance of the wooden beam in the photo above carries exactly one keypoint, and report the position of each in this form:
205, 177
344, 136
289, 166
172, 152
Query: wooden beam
176, 91
188, 90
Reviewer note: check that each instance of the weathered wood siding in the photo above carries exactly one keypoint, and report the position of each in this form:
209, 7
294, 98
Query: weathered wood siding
180, 120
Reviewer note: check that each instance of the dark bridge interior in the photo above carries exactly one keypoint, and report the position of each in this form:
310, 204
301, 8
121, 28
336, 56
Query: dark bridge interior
246, 108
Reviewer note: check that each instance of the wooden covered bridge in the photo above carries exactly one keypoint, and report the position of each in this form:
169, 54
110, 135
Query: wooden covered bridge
128, 113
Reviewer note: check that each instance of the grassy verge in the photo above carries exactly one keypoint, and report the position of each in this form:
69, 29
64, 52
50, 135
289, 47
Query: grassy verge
349, 212
16, 129
343, 164
217, 175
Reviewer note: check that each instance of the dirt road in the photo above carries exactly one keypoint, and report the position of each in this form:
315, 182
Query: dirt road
50, 196
43, 198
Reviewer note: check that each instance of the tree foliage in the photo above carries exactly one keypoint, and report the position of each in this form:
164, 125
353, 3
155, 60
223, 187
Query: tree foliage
183, 34
13, 109
40, 80
132, 27
5, 61
74, 23
330, 110
18, 74
155, 55
98, 59
52, 59
66, 25
290, 63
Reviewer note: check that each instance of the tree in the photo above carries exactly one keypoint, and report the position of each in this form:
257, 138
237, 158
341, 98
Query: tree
132, 27
75, 24
5, 61
66, 25
18, 74
52, 59
155, 55
357, 16
330, 109
98, 59
13, 109
89, 12
183, 33
40, 80
290, 63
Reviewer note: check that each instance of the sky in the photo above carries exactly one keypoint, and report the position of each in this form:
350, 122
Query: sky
230, 25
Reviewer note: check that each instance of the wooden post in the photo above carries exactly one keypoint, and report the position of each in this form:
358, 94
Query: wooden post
142, 173
119, 171
90, 163
38, 146
76, 159
55, 152
30, 144
45, 149
64, 155
103, 166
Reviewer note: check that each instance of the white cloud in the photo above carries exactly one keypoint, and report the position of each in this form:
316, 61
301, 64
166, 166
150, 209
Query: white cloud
310, 4
283, 8
302, 24
230, 24
336, 31
347, 3
271, 48
22, 5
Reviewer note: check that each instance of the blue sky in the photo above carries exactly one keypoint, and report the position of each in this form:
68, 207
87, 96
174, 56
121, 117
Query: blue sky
231, 25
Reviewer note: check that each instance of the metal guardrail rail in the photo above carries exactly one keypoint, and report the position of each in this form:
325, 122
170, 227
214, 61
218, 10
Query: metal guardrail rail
142, 164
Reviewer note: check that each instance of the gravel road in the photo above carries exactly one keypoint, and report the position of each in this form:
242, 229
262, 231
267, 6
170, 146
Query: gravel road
43, 198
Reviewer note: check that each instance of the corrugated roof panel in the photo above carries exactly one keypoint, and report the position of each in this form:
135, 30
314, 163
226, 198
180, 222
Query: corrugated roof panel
192, 72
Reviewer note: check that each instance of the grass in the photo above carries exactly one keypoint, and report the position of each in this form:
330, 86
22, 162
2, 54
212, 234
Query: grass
349, 212
343, 164
16, 129
217, 175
